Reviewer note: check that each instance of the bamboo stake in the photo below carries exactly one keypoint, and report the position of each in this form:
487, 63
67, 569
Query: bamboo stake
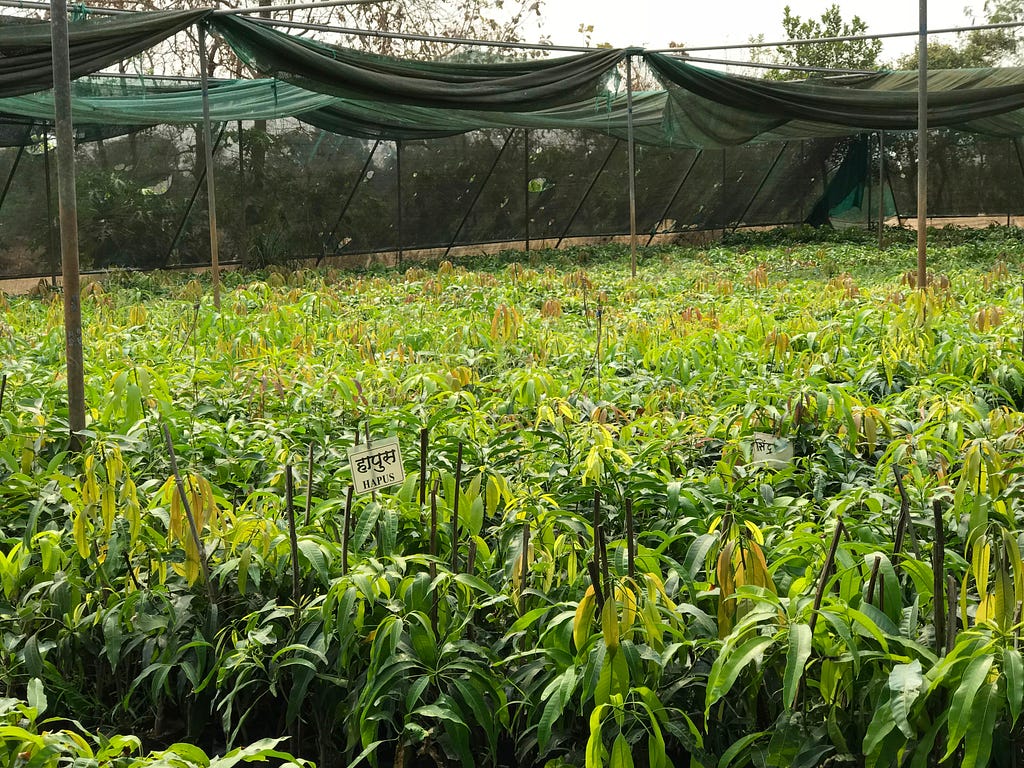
825, 572
902, 522
293, 540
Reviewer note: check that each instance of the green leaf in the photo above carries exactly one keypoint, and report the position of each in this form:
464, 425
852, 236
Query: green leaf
978, 743
36, 696
738, 747
905, 681
727, 668
962, 706
1013, 668
558, 693
880, 726
621, 756
366, 523
796, 657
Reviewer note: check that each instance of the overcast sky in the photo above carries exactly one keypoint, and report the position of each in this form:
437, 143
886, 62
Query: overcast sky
656, 23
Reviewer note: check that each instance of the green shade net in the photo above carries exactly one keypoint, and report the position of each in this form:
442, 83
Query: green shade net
97, 103
26, 60
716, 109
510, 85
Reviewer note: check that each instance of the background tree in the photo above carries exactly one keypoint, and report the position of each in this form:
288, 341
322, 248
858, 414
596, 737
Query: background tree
978, 48
854, 54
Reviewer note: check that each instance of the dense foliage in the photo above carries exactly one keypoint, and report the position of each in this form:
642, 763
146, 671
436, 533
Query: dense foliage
597, 566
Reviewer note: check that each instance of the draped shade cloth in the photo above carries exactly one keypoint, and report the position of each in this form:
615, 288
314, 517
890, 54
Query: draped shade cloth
26, 60
512, 85
712, 108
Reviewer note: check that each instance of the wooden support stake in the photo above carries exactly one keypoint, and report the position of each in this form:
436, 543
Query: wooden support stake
825, 573
293, 539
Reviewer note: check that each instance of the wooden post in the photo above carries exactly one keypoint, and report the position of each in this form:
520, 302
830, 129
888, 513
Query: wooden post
68, 207
881, 190
211, 191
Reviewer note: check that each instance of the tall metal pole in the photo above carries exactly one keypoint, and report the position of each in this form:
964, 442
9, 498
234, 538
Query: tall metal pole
398, 174
211, 191
632, 165
61, 59
922, 147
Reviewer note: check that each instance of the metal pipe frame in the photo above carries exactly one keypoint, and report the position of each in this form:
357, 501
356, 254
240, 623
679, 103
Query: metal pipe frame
479, 191
922, 147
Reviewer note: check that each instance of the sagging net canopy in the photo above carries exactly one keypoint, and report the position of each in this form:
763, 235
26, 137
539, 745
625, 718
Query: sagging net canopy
370, 96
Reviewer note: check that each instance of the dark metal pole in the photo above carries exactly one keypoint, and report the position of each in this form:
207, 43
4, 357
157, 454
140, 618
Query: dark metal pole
675, 195
61, 59
479, 191
631, 150
922, 146
579, 205
881, 189
526, 185
351, 196
211, 191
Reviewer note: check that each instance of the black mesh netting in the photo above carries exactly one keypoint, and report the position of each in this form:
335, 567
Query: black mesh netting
293, 191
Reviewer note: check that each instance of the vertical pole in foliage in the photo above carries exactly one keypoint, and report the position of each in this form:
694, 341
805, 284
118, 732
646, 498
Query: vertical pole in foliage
61, 59
938, 576
631, 148
289, 508
455, 511
922, 146
211, 192
881, 190
433, 553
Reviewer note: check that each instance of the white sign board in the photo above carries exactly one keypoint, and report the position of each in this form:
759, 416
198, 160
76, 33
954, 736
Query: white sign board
377, 465
770, 451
